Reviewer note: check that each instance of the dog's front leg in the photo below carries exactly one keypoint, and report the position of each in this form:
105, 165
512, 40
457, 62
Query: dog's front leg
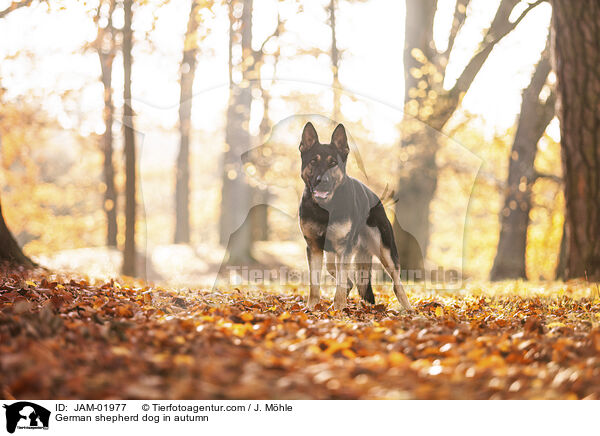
342, 280
315, 264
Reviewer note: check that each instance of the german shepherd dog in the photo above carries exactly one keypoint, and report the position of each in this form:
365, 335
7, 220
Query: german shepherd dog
343, 218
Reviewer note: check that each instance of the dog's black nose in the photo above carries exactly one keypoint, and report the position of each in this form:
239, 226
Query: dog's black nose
323, 178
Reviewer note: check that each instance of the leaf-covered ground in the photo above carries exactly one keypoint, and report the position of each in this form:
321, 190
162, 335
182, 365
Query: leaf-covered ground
67, 338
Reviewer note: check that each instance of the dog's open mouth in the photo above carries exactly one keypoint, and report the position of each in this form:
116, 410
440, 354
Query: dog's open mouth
320, 193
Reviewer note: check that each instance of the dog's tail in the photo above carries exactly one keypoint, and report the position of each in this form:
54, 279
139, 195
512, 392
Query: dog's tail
388, 197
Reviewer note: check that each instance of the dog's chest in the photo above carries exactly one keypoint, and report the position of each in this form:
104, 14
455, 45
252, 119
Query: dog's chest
312, 229
329, 236
338, 232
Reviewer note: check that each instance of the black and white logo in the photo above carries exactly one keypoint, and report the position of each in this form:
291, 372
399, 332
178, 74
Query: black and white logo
26, 415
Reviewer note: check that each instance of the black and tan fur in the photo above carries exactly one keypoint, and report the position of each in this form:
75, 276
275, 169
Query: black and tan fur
343, 222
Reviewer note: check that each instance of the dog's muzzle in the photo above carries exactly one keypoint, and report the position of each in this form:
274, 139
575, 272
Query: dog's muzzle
322, 187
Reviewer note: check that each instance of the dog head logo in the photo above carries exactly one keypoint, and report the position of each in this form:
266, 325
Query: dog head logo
26, 415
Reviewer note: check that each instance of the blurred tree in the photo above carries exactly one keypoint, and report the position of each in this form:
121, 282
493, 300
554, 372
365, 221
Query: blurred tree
576, 43
106, 46
188, 72
259, 218
9, 248
129, 253
237, 196
559, 273
534, 117
428, 107
235, 191
334, 61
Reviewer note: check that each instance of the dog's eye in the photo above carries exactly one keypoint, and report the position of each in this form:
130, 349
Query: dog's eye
313, 161
332, 163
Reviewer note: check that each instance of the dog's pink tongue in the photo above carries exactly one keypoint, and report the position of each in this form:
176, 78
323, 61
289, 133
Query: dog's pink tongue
320, 194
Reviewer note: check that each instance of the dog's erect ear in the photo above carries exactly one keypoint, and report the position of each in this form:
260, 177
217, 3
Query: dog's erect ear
340, 141
309, 137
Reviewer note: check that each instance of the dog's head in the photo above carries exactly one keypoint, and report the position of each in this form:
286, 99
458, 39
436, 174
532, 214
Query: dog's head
323, 165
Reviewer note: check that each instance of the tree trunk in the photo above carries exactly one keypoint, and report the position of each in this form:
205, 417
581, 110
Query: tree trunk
417, 180
428, 107
334, 62
129, 254
188, 72
260, 215
576, 42
559, 274
534, 117
110, 194
9, 248
416, 188
236, 193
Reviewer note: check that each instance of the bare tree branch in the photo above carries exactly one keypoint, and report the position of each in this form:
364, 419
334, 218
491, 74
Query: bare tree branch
549, 108
13, 6
544, 109
541, 72
499, 28
108, 29
460, 15
552, 177
259, 54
